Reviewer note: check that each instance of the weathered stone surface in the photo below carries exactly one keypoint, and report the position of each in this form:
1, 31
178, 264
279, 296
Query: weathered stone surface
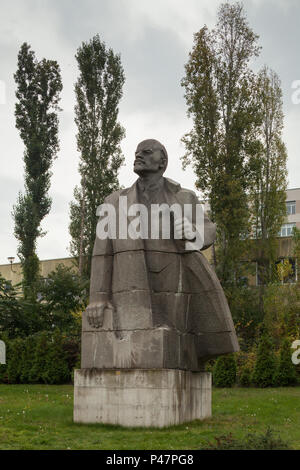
149, 349
145, 398
142, 283
170, 309
157, 312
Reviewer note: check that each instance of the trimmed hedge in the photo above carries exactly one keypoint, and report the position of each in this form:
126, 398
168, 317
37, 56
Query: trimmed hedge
47, 358
265, 365
286, 373
224, 371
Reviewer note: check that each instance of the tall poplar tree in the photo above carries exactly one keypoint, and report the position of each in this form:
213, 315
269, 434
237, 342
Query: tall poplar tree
220, 95
268, 193
38, 93
98, 92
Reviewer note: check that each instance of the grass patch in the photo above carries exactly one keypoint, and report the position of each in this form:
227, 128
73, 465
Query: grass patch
41, 417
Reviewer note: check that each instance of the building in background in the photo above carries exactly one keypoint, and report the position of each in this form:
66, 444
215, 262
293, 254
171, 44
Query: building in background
13, 272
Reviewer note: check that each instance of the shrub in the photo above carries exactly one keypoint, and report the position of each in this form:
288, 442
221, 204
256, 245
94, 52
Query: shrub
265, 365
245, 377
286, 371
224, 371
38, 372
27, 358
57, 370
14, 360
40, 358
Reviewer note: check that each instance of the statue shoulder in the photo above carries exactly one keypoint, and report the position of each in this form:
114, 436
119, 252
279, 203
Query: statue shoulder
113, 197
176, 187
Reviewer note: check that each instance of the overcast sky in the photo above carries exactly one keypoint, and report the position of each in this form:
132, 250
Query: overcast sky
153, 38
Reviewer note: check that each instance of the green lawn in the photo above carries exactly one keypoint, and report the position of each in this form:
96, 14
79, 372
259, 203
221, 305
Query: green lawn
40, 417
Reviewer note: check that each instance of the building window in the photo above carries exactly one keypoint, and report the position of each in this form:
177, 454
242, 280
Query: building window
291, 207
287, 230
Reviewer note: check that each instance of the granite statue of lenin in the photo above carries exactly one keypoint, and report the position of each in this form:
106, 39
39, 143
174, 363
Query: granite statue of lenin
153, 303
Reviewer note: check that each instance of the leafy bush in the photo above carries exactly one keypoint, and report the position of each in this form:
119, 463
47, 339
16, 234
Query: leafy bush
286, 371
40, 358
265, 365
60, 300
63, 294
27, 359
246, 313
245, 377
38, 372
224, 371
14, 360
57, 370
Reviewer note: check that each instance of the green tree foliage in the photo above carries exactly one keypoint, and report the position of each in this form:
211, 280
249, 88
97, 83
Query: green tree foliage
11, 319
38, 93
62, 295
286, 371
268, 193
19, 317
221, 99
224, 371
246, 313
281, 305
98, 92
265, 365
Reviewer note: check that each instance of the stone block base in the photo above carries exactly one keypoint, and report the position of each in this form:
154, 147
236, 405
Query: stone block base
141, 397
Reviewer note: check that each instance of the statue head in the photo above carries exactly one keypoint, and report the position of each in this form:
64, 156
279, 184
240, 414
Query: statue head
150, 157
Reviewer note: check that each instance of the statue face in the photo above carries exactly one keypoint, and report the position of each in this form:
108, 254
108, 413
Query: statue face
148, 158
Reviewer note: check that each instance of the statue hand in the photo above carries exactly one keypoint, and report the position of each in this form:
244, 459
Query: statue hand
184, 229
95, 313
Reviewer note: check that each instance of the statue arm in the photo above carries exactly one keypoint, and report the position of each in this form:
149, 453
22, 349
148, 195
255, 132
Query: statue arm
101, 280
209, 232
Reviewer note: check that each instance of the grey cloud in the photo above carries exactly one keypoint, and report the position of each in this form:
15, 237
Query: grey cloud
154, 42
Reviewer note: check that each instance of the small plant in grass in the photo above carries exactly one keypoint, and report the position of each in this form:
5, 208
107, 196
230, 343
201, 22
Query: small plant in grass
224, 371
265, 441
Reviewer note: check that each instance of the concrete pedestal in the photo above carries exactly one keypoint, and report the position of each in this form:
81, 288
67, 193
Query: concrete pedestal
141, 397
